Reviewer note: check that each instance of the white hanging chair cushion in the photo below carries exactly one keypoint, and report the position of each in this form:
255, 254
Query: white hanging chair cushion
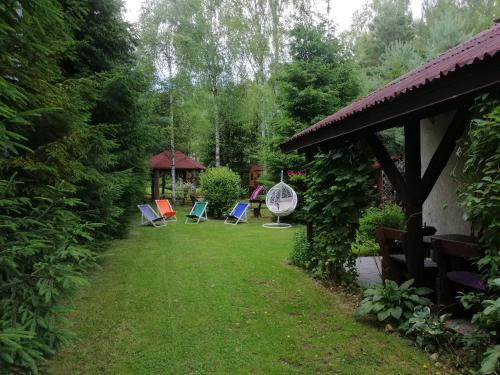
281, 199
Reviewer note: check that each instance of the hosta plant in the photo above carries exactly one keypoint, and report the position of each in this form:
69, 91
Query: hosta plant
393, 303
429, 330
491, 361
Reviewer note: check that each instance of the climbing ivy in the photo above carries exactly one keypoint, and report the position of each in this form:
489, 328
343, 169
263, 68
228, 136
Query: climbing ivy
479, 194
338, 192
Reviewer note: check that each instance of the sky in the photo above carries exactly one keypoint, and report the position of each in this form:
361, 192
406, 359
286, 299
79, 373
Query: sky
341, 10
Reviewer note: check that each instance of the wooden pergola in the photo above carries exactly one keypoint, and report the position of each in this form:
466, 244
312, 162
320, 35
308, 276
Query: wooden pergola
447, 83
161, 165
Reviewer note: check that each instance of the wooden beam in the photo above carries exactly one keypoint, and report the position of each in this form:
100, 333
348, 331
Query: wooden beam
413, 171
439, 96
387, 164
443, 152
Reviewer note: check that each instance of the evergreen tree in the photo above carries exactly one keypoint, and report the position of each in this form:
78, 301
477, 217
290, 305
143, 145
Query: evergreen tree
71, 139
317, 82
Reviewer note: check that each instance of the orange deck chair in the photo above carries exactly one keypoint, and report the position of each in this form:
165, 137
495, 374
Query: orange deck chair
165, 209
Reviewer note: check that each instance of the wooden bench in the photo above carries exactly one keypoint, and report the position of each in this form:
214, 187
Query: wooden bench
392, 244
455, 256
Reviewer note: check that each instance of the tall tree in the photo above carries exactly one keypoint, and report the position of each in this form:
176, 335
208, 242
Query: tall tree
70, 134
380, 23
160, 22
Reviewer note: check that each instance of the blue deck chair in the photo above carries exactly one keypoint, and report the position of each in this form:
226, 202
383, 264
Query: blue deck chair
239, 213
197, 213
149, 216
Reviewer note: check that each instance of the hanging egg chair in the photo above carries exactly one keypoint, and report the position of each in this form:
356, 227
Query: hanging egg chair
281, 200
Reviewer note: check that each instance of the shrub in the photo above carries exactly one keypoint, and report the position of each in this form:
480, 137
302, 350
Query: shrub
221, 187
301, 250
429, 330
478, 194
390, 215
393, 303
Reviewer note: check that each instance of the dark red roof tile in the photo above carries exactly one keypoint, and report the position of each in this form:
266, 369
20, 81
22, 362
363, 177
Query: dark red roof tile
164, 161
484, 44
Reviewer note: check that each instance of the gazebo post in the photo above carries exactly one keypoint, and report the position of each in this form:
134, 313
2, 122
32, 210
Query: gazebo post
152, 185
156, 184
413, 205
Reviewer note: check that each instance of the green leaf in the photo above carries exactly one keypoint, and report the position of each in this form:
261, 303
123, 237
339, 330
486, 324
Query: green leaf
406, 284
423, 291
383, 315
490, 360
396, 312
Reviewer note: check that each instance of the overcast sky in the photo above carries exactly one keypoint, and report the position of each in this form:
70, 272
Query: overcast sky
341, 10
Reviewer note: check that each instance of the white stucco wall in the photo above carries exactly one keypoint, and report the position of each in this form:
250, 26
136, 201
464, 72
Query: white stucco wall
441, 209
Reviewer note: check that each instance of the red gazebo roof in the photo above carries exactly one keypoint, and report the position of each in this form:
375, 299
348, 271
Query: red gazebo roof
164, 161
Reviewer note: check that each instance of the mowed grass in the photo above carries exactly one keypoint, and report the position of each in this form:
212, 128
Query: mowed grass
214, 298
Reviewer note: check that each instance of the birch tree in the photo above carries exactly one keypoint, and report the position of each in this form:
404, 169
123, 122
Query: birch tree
158, 33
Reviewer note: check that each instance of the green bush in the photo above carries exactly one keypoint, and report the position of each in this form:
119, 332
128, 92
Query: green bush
220, 187
430, 331
393, 303
338, 190
390, 215
479, 192
301, 250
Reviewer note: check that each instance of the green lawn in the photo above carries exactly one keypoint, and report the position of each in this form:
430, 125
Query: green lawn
213, 298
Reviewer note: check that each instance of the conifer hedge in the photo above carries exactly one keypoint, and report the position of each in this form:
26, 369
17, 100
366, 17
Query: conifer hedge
72, 145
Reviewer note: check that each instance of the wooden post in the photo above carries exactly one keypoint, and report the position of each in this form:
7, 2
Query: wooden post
413, 170
163, 183
152, 185
156, 184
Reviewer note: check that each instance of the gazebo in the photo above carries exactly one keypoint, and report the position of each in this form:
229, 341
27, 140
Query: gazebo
432, 103
186, 168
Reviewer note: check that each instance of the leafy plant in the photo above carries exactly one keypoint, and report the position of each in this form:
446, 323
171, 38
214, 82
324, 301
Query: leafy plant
221, 187
300, 255
430, 331
390, 215
478, 194
393, 303
338, 190
491, 360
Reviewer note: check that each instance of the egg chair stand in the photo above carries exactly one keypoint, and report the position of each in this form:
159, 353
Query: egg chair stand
281, 200
277, 225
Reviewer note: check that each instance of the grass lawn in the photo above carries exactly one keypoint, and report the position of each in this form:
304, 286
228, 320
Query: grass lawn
214, 298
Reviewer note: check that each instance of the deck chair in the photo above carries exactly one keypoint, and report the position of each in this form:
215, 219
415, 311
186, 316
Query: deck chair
165, 209
255, 193
197, 213
254, 198
238, 213
149, 216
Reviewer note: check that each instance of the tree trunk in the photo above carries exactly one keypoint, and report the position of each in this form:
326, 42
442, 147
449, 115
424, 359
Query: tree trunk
216, 126
172, 147
172, 130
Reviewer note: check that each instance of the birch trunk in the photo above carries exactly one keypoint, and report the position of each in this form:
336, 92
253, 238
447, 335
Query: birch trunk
216, 126
172, 130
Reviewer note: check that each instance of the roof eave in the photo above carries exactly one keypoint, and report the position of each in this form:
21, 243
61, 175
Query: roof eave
436, 97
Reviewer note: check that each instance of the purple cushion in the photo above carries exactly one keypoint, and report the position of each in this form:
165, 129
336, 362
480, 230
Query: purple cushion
471, 279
